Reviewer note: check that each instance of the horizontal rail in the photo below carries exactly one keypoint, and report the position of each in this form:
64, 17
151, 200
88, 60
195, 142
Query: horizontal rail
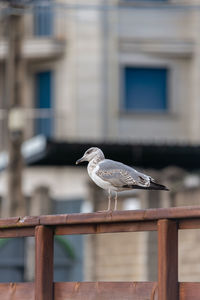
17, 232
69, 229
105, 228
178, 213
98, 290
17, 291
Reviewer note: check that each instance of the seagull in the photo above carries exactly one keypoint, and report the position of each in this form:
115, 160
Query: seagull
115, 176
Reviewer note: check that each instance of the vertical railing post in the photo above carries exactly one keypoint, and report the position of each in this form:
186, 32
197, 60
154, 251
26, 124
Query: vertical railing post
167, 260
43, 263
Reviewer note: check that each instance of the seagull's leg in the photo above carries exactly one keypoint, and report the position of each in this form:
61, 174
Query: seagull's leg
109, 200
115, 201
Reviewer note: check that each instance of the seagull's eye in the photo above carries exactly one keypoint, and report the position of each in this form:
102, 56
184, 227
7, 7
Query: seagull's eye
89, 151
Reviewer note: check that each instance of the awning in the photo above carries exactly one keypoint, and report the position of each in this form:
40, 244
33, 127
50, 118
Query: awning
40, 151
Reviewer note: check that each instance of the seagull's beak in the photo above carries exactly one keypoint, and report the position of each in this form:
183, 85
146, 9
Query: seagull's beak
80, 160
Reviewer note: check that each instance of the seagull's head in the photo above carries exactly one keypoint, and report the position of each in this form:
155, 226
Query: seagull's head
90, 154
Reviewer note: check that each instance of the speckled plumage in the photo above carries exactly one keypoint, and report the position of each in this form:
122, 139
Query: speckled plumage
121, 176
116, 176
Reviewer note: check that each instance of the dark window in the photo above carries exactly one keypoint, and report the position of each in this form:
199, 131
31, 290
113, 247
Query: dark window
145, 89
43, 100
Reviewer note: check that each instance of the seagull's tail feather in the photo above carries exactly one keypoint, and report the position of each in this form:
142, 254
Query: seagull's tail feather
153, 186
157, 186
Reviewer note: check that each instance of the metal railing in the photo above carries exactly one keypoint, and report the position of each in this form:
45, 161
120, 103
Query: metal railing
45, 21
41, 20
166, 221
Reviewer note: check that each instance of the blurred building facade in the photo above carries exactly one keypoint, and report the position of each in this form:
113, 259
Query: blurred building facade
111, 72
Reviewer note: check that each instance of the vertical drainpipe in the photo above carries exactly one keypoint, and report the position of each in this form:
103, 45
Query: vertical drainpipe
104, 15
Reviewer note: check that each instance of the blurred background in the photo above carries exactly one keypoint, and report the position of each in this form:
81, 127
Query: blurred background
123, 75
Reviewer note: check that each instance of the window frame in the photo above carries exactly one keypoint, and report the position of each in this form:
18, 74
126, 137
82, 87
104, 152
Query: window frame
52, 108
144, 2
124, 110
46, 14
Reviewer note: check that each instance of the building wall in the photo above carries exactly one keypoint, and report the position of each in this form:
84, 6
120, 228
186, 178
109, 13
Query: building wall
72, 181
88, 70
89, 75
157, 37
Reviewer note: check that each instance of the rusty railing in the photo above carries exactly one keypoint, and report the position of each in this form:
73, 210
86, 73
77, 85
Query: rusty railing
166, 222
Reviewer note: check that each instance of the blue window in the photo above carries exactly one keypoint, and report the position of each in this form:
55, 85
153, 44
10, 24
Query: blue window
145, 89
43, 95
43, 19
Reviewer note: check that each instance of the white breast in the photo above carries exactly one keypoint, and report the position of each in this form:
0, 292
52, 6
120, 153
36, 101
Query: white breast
101, 183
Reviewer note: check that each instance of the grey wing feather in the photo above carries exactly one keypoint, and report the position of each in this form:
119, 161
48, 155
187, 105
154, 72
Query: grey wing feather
121, 175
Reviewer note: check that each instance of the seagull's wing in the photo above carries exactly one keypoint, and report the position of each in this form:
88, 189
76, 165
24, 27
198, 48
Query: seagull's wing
121, 175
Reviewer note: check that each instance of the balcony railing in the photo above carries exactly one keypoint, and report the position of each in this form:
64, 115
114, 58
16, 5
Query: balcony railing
46, 20
43, 121
166, 222
45, 32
